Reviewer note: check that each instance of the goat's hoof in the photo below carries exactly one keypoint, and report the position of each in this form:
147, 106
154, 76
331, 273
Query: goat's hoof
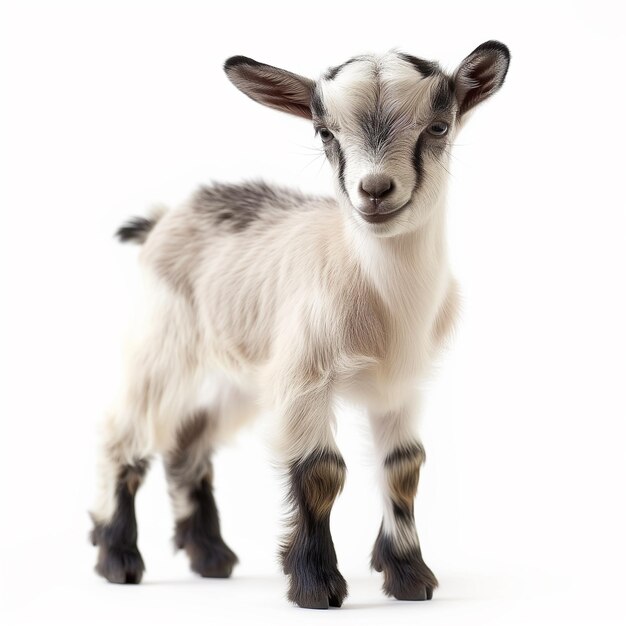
319, 602
122, 566
335, 600
211, 559
418, 591
407, 577
410, 580
330, 590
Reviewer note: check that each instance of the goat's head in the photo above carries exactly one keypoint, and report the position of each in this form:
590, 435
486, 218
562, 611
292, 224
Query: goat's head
386, 124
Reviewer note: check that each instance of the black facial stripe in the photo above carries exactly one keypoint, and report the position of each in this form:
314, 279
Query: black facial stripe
317, 106
418, 160
342, 168
425, 68
443, 97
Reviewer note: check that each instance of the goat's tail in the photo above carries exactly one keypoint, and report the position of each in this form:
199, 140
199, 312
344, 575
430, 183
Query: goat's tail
137, 229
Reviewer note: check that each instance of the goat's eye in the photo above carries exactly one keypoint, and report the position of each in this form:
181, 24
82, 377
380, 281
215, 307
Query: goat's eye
438, 129
326, 135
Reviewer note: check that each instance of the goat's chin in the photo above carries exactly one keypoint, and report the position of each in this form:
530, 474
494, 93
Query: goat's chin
392, 228
409, 219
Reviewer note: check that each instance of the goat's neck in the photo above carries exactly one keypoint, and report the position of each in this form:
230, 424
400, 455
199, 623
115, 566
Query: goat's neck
406, 268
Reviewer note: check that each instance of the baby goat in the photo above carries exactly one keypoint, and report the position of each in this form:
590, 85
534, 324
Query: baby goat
258, 296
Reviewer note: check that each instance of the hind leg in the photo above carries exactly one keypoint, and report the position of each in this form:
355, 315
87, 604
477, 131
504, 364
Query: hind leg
189, 472
115, 525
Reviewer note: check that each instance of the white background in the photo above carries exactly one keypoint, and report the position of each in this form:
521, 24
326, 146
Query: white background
108, 107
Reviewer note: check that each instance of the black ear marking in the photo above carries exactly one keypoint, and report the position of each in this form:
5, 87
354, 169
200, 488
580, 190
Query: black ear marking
425, 68
238, 60
481, 74
271, 86
332, 72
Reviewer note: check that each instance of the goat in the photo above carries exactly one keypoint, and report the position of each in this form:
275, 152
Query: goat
257, 297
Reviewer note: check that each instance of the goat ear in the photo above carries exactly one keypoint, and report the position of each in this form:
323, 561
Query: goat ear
481, 74
271, 86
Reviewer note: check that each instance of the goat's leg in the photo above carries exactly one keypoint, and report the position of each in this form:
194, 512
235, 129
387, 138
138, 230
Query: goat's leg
316, 473
397, 551
189, 472
115, 525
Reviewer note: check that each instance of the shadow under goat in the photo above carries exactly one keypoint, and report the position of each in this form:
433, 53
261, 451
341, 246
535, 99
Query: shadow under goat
259, 297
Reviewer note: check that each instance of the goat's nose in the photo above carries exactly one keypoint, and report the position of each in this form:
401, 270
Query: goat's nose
376, 187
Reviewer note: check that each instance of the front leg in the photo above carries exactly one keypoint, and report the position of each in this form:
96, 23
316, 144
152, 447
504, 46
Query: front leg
397, 552
316, 473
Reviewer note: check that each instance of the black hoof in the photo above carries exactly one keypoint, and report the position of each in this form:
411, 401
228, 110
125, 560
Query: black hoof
211, 559
419, 591
409, 581
335, 601
321, 602
328, 590
407, 577
120, 565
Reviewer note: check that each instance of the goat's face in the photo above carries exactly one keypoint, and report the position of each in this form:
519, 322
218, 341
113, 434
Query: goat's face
386, 124
386, 127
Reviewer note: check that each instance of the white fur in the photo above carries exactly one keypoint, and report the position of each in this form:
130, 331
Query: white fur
300, 307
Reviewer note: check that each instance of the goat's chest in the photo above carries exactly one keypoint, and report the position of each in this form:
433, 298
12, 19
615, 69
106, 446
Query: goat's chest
403, 348
406, 347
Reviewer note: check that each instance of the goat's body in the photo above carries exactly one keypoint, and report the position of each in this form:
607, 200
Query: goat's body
225, 309
256, 297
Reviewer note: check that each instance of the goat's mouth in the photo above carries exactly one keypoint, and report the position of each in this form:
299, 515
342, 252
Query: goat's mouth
379, 218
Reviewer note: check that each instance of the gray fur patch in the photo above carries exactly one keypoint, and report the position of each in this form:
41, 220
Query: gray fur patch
236, 207
377, 126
